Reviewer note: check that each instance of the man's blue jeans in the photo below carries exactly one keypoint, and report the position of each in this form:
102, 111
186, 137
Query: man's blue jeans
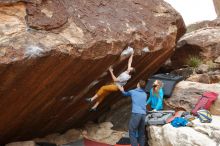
137, 123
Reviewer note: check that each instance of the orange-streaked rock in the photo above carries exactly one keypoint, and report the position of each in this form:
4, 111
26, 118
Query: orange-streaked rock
50, 63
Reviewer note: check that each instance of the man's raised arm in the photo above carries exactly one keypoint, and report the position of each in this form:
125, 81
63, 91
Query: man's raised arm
123, 91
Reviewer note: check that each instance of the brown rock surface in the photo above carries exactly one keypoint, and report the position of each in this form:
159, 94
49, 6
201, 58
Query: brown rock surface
24, 143
119, 114
47, 73
47, 15
59, 139
103, 132
204, 43
203, 24
203, 68
217, 7
217, 60
185, 72
201, 78
8, 2
99, 132
186, 95
205, 78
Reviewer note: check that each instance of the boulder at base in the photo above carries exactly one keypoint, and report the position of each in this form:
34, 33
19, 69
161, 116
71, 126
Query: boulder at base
55, 53
205, 78
207, 134
98, 132
203, 43
186, 95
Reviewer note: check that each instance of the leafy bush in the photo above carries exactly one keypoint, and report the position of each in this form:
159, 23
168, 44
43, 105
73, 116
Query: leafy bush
194, 61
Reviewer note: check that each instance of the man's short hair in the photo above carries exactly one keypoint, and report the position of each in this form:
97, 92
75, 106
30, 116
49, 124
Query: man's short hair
142, 84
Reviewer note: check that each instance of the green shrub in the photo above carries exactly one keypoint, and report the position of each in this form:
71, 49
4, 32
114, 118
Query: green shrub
194, 61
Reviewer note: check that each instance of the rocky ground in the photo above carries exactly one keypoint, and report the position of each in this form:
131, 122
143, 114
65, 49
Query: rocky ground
98, 132
200, 135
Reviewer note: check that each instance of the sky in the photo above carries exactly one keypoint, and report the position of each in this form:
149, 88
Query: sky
194, 10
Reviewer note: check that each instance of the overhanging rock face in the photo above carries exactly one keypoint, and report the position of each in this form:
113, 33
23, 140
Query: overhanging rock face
56, 53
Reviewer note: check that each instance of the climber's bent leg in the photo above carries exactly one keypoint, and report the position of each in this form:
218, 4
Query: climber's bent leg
104, 91
95, 105
94, 97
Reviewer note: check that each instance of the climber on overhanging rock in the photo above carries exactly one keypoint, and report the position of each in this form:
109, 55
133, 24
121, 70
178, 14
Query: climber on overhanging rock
121, 80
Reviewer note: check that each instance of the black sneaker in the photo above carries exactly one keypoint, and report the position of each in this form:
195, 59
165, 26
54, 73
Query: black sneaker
93, 110
89, 100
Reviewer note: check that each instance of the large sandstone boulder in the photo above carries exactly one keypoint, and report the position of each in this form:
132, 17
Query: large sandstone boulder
55, 53
203, 43
186, 93
200, 135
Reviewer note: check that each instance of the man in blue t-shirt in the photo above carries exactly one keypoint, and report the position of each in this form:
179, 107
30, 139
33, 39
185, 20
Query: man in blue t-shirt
137, 120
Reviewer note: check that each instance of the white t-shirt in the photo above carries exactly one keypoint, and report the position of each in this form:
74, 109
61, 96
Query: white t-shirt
123, 78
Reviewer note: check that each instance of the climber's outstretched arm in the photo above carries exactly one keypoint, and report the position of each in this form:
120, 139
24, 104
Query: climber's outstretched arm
130, 61
112, 74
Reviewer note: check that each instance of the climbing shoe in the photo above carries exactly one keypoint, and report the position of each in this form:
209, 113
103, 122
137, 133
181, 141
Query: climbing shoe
89, 100
93, 110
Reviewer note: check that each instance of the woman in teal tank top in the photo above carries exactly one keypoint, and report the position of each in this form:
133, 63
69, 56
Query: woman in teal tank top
156, 96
